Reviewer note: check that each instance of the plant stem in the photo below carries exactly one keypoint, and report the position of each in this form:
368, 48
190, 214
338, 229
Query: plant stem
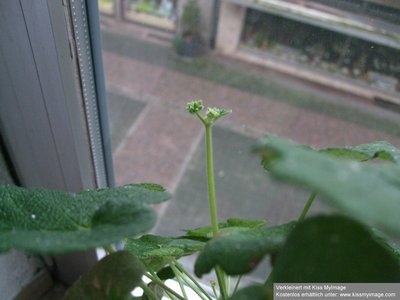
190, 283
213, 289
182, 269
148, 291
211, 183
179, 278
221, 282
307, 206
237, 285
162, 284
213, 204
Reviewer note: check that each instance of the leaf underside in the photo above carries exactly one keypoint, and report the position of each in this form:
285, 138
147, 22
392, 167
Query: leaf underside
46, 221
230, 226
368, 192
156, 251
380, 149
245, 249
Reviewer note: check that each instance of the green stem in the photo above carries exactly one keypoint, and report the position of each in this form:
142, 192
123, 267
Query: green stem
211, 183
307, 206
158, 281
213, 204
190, 284
179, 278
213, 289
201, 119
221, 282
237, 285
182, 269
148, 291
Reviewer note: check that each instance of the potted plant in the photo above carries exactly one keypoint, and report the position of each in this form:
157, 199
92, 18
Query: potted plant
189, 41
351, 245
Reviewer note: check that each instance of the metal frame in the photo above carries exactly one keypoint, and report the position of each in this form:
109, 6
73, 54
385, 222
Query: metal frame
52, 102
83, 48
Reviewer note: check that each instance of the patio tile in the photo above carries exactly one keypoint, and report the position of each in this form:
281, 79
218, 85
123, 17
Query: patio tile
131, 75
156, 147
177, 88
123, 111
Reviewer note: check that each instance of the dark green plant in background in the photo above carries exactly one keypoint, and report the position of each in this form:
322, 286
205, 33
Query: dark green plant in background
189, 42
144, 6
352, 245
190, 21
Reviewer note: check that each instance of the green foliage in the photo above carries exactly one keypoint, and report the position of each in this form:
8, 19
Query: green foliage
112, 278
45, 221
330, 248
382, 150
190, 20
144, 6
245, 249
334, 249
166, 273
231, 226
178, 43
368, 192
156, 251
254, 292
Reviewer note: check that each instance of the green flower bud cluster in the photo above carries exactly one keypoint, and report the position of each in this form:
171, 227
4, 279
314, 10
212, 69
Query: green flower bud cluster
194, 106
212, 114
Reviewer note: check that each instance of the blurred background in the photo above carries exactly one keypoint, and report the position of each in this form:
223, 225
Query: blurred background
320, 72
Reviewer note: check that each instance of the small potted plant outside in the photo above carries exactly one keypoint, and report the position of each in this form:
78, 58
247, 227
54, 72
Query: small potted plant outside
189, 41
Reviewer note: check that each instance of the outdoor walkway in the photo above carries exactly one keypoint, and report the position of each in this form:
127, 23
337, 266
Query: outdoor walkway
156, 140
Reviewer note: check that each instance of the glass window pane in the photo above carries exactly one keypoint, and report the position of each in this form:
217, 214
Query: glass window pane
322, 73
158, 13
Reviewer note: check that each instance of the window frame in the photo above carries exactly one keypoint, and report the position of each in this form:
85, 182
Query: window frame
53, 115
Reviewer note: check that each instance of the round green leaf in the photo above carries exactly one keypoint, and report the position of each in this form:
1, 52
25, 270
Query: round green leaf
368, 192
334, 249
46, 221
231, 226
245, 249
156, 251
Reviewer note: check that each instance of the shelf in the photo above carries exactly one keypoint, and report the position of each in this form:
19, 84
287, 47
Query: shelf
382, 33
336, 81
